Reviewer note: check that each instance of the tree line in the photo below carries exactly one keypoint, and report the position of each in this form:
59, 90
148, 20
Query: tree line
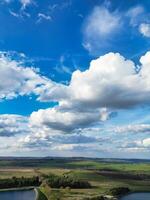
55, 181
15, 182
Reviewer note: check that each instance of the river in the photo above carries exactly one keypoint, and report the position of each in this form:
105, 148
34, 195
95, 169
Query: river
137, 196
18, 195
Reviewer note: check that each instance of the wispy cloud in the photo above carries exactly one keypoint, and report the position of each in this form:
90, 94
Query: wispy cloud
42, 16
25, 3
145, 29
99, 26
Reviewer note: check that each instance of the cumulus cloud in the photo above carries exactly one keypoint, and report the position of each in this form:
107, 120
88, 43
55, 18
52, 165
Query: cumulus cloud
111, 83
144, 29
65, 121
11, 125
54, 141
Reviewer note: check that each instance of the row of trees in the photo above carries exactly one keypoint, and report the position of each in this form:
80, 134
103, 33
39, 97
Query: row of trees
64, 181
19, 182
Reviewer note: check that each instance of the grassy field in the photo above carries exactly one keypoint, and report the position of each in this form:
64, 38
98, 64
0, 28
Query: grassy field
102, 175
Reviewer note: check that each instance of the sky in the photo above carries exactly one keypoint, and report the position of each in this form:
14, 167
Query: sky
75, 78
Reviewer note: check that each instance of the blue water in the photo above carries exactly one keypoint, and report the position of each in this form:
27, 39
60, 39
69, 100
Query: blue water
17, 195
137, 196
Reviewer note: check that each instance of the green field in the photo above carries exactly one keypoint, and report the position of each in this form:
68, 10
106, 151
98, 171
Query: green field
100, 174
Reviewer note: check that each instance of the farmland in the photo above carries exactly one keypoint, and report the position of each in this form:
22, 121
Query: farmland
102, 174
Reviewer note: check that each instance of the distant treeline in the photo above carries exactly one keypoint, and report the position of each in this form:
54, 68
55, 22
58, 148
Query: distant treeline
19, 182
64, 181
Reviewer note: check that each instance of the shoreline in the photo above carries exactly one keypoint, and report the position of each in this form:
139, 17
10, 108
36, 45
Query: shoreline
18, 189
109, 197
134, 192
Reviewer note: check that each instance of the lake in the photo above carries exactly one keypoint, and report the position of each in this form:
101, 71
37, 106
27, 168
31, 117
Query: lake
137, 196
18, 195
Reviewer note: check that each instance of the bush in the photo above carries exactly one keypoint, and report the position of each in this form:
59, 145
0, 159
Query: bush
119, 191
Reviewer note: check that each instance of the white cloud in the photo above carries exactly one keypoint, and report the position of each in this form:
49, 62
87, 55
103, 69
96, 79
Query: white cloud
137, 145
135, 15
11, 125
25, 3
65, 120
144, 29
99, 25
101, 22
75, 147
146, 142
111, 83
104, 25
17, 79
15, 14
42, 16
133, 128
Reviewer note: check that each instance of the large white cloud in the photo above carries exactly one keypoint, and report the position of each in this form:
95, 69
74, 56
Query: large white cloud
111, 83
65, 121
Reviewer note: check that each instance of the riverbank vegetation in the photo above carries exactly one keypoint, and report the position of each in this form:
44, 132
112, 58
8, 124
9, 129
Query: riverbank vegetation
101, 175
19, 182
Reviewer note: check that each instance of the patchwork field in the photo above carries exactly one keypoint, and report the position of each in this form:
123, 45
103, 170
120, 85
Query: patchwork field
101, 174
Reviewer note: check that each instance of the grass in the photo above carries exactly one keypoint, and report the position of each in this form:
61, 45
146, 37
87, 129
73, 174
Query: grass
40, 195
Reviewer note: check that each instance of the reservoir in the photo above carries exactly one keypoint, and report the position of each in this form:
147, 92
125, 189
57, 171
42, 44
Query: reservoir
18, 195
137, 196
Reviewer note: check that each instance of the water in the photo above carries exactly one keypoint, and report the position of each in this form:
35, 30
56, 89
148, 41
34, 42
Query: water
137, 196
18, 195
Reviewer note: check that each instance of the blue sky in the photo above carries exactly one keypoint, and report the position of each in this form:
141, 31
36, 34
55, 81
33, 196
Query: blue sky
74, 78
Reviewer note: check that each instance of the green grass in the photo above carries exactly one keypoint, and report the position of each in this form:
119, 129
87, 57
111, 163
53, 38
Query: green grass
41, 195
141, 167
